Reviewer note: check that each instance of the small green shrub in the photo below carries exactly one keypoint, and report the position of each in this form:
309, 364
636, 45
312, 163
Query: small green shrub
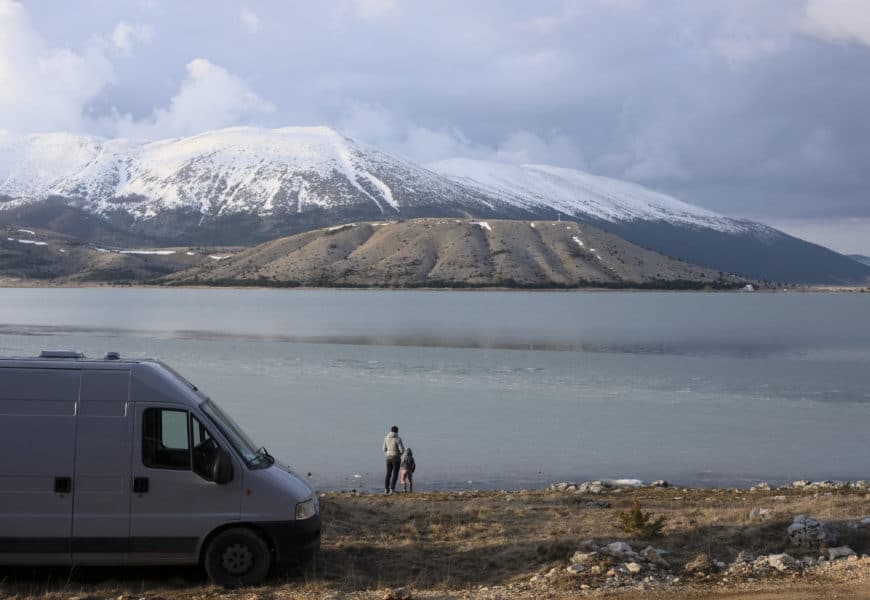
638, 523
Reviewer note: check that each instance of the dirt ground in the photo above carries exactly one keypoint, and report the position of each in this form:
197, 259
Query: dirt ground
518, 545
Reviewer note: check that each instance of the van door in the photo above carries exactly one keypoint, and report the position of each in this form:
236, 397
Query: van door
37, 445
104, 443
174, 506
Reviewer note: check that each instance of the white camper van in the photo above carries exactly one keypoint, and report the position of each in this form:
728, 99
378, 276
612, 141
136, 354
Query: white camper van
112, 462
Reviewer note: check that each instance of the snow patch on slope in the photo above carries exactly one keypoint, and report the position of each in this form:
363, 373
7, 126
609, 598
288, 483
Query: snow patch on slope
576, 193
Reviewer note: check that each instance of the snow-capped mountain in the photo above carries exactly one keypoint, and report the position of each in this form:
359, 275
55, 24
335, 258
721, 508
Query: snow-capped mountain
238, 170
245, 185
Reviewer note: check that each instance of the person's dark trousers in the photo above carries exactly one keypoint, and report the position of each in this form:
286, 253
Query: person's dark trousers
392, 473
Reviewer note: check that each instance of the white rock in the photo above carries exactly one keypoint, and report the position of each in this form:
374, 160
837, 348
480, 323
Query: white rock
576, 569
781, 562
633, 567
592, 487
840, 552
619, 549
760, 514
563, 486
584, 557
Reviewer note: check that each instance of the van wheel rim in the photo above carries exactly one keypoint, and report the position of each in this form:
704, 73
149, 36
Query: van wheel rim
237, 559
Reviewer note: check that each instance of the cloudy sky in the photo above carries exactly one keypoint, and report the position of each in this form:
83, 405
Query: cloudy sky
755, 108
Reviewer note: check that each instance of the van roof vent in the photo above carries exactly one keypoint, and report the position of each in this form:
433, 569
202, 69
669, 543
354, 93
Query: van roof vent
113, 356
60, 354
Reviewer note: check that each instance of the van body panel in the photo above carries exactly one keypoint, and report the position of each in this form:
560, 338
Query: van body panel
101, 521
155, 384
37, 445
270, 492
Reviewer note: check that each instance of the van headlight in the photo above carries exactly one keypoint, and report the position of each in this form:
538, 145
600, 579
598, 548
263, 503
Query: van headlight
306, 510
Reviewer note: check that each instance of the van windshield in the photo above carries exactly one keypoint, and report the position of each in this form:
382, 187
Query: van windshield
234, 435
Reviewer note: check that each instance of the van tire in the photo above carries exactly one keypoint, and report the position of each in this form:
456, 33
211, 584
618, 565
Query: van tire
237, 557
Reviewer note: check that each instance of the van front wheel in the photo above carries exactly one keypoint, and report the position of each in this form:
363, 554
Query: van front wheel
237, 557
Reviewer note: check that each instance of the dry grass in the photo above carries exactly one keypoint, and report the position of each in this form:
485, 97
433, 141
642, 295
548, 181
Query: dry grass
452, 543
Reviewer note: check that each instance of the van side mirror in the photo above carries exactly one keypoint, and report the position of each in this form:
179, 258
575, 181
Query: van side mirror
222, 470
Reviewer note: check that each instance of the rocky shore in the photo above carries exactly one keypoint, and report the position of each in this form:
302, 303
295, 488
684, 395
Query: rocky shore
804, 540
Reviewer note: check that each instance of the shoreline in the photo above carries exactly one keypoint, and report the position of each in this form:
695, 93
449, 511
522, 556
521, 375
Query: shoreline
617, 486
558, 543
11, 283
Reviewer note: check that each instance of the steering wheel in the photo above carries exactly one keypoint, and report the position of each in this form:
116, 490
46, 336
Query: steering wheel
207, 445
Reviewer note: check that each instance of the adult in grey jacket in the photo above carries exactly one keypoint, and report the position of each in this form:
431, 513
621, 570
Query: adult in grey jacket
393, 449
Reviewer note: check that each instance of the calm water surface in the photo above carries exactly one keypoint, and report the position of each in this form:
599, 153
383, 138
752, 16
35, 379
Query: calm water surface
501, 389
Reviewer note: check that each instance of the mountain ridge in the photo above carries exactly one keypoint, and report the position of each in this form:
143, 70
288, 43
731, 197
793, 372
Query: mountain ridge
864, 260
433, 252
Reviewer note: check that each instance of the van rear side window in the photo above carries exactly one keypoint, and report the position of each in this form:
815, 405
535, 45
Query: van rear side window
165, 441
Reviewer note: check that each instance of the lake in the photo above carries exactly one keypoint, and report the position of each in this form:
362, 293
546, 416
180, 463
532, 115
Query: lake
501, 389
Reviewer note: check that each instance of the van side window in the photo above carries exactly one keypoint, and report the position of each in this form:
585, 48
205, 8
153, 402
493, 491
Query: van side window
165, 439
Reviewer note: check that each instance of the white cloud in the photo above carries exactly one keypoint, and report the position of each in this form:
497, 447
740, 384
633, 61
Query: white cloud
371, 10
126, 35
754, 30
745, 49
209, 98
250, 20
546, 23
651, 156
750, 30
373, 124
838, 20
44, 88
528, 147
571, 10
370, 123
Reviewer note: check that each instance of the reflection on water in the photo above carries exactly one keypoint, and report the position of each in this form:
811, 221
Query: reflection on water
504, 342
501, 389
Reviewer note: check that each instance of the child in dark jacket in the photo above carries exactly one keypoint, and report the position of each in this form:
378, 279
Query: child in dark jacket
408, 467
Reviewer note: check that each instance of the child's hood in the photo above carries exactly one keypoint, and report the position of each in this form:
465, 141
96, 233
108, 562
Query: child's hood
408, 453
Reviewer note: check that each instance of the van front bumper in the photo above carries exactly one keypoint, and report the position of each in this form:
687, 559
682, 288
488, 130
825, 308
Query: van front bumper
294, 540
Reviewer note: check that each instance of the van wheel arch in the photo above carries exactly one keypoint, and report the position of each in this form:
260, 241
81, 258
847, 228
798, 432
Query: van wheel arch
239, 525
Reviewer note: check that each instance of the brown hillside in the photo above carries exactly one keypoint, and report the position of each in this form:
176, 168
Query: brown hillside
448, 252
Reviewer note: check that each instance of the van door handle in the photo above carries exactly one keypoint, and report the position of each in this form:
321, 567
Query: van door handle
140, 485
62, 485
